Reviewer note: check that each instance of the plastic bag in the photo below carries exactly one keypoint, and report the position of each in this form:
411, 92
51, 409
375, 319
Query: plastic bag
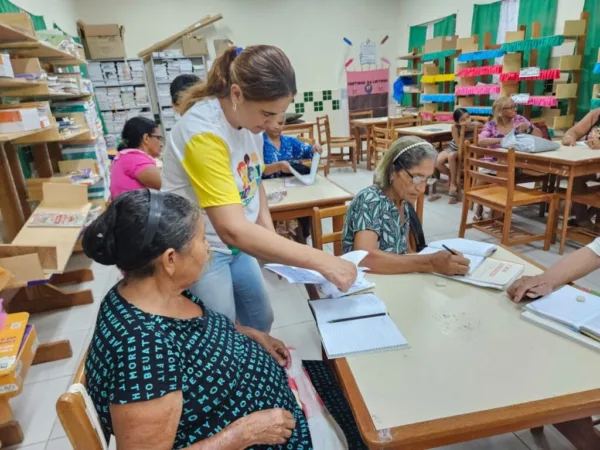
528, 143
325, 433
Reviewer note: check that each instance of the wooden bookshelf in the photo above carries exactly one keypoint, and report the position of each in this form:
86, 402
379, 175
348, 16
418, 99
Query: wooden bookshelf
38, 49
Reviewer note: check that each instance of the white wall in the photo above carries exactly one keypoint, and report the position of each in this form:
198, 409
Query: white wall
309, 31
417, 12
62, 12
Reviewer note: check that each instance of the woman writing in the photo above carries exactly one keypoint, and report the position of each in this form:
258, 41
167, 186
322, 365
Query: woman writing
505, 119
165, 372
214, 158
135, 167
379, 218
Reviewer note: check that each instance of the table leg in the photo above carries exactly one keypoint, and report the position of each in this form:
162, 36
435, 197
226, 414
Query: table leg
581, 433
338, 224
369, 154
18, 178
10, 205
567, 210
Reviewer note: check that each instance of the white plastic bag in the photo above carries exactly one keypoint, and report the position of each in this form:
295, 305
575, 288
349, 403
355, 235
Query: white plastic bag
325, 433
528, 143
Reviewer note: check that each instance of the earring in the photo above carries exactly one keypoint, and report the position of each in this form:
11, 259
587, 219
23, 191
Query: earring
235, 106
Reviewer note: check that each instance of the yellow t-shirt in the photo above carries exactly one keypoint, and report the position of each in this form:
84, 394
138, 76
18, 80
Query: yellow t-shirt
211, 164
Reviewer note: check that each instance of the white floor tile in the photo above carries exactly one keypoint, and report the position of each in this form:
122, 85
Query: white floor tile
77, 318
40, 446
35, 409
551, 439
59, 444
303, 337
503, 442
290, 307
62, 368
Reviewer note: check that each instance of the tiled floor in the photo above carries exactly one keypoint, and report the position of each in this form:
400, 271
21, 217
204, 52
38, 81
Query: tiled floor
35, 407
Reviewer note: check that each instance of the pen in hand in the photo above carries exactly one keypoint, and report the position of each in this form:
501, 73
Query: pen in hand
450, 250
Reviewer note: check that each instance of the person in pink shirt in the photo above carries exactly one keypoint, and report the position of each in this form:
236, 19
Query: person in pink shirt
135, 167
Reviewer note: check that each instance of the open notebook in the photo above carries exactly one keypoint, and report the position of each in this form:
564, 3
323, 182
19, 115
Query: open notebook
577, 309
352, 337
483, 271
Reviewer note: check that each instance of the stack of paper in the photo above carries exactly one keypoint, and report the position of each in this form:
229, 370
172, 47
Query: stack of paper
356, 324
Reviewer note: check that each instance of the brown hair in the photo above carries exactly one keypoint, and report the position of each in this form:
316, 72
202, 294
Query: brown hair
262, 72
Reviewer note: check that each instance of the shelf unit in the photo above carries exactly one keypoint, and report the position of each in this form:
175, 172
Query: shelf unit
49, 249
115, 114
159, 81
595, 101
414, 59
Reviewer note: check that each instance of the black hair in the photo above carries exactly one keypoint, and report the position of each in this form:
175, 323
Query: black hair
115, 238
457, 114
134, 131
181, 83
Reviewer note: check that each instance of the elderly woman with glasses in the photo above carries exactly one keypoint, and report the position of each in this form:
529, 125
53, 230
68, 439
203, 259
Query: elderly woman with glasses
381, 218
505, 120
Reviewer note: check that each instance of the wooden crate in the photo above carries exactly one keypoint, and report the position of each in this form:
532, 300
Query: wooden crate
430, 69
440, 44
569, 62
514, 36
566, 90
512, 62
574, 28
563, 122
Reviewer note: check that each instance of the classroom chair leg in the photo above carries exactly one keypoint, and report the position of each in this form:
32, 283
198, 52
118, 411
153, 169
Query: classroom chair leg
506, 228
550, 226
11, 433
463, 218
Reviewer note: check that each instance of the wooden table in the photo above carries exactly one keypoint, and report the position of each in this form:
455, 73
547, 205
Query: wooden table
474, 368
568, 162
437, 132
300, 201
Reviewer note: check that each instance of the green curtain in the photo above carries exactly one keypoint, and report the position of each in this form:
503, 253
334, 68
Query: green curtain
485, 18
543, 11
416, 38
38, 22
8, 7
588, 78
445, 27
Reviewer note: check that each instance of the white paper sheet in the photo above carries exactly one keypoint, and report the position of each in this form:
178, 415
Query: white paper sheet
314, 166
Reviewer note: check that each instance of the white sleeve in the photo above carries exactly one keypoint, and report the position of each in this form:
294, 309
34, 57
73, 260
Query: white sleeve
595, 246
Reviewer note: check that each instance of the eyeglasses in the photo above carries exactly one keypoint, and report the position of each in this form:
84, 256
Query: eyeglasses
508, 108
417, 179
160, 138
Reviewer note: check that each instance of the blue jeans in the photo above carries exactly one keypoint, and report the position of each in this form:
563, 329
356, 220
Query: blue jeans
233, 285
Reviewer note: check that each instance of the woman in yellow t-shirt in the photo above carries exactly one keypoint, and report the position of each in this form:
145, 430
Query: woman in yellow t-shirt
214, 157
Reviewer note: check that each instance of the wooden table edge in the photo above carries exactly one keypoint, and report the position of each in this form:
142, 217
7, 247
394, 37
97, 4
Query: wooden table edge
309, 204
480, 424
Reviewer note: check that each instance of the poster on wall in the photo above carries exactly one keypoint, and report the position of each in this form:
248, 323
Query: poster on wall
369, 89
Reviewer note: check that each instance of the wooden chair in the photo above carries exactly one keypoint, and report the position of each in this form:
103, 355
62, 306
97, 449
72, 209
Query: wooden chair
336, 159
401, 122
337, 214
582, 235
382, 139
306, 130
363, 132
500, 194
74, 417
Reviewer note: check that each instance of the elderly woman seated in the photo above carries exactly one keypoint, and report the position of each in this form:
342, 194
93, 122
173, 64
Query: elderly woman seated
163, 371
381, 218
588, 131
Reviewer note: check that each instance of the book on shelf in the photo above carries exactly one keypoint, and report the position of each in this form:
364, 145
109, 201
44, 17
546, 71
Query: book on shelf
11, 337
51, 219
483, 270
356, 324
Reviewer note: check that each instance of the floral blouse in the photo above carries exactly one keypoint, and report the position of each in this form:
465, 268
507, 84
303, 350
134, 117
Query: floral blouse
490, 129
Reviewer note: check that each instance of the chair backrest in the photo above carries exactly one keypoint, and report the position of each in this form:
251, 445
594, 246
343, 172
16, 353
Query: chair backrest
382, 139
482, 119
401, 122
75, 417
306, 140
364, 114
318, 238
323, 130
461, 139
500, 161
299, 130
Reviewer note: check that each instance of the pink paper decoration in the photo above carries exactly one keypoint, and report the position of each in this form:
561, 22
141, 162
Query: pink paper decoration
427, 115
477, 71
444, 117
550, 74
545, 101
478, 90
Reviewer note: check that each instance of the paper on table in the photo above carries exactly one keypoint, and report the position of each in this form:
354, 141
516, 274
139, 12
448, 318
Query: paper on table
474, 261
581, 144
341, 308
329, 290
562, 305
465, 246
292, 182
314, 166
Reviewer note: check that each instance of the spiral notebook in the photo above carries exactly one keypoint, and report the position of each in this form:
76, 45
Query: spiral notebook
359, 335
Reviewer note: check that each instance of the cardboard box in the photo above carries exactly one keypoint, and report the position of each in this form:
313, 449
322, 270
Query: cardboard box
19, 21
570, 62
26, 65
468, 45
466, 101
506, 90
103, 41
430, 69
221, 45
566, 90
439, 44
574, 28
563, 122
514, 36
194, 45
511, 62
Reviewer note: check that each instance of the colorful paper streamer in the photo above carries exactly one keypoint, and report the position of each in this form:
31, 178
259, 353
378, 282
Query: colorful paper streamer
437, 55
478, 56
350, 61
542, 100
478, 71
550, 74
532, 44
437, 98
437, 78
479, 110
437, 116
347, 41
477, 90
597, 67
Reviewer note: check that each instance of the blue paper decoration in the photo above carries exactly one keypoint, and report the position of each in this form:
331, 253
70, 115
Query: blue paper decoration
595, 103
437, 98
477, 56
597, 68
481, 110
